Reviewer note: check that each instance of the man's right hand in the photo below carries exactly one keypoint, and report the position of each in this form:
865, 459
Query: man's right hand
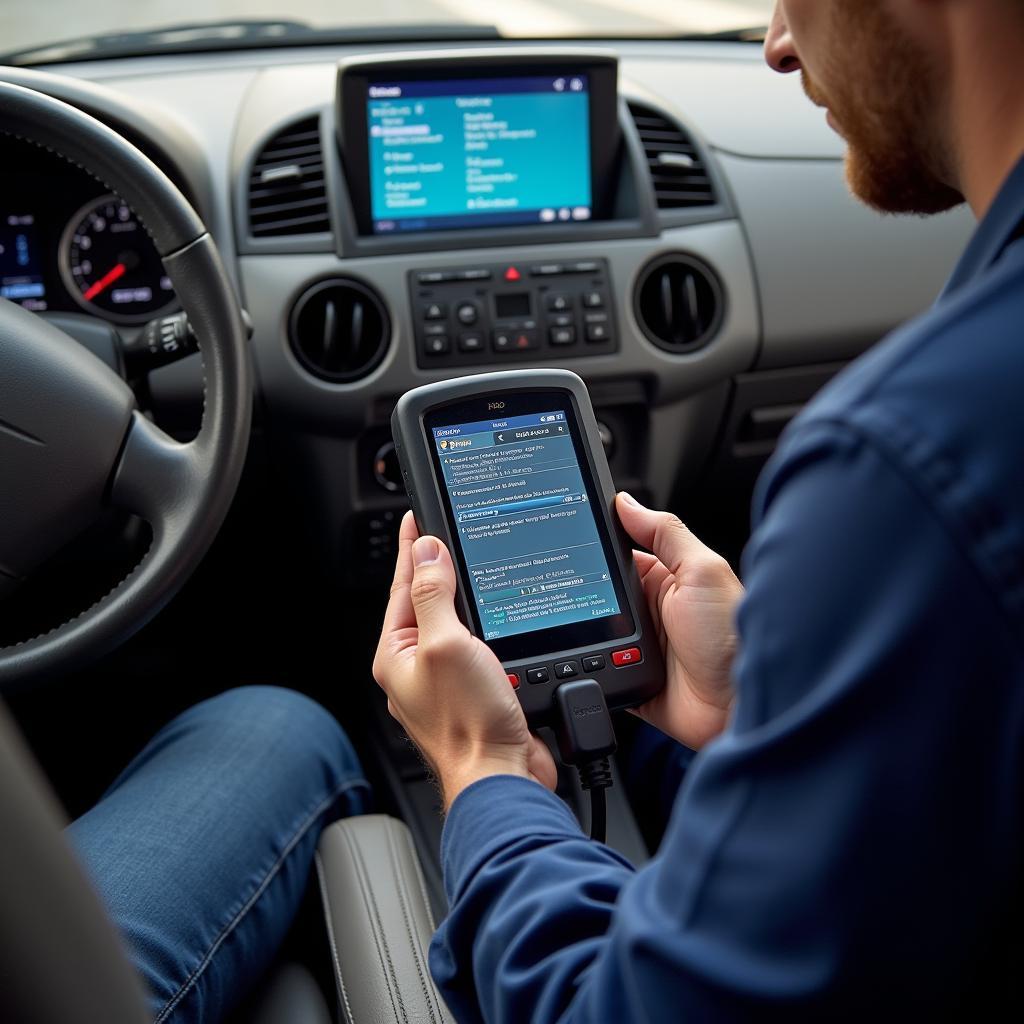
692, 594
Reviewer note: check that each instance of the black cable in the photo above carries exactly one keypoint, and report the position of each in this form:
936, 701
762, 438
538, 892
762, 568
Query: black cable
585, 740
598, 815
596, 777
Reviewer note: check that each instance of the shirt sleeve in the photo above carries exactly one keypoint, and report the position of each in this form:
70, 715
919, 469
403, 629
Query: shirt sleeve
845, 845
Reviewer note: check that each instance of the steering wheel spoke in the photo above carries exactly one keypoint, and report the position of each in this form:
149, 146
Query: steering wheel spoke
157, 478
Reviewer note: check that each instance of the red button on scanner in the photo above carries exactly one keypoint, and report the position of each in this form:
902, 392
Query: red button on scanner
630, 656
514, 680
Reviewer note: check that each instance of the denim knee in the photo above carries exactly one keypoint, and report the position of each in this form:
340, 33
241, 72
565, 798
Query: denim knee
259, 718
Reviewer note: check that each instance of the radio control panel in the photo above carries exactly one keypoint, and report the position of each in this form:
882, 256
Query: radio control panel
512, 311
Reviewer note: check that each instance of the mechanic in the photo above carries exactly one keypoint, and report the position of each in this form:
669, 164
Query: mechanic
847, 842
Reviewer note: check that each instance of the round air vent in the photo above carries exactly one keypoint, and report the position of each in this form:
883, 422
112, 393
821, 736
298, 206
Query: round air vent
678, 303
339, 329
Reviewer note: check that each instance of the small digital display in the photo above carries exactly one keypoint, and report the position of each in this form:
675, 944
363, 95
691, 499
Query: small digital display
21, 278
525, 523
479, 152
516, 305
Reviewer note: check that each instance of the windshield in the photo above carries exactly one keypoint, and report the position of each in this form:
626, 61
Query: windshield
113, 26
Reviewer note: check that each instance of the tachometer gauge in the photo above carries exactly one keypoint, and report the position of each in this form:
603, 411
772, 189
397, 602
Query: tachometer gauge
110, 265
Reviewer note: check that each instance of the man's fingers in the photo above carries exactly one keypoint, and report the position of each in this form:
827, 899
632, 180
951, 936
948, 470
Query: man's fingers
433, 590
400, 614
662, 533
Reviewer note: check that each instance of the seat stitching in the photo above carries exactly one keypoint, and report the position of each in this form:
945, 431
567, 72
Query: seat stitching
325, 896
379, 934
190, 981
414, 942
421, 881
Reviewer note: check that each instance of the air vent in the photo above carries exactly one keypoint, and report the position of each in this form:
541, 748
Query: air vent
286, 188
339, 329
678, 303
678, 173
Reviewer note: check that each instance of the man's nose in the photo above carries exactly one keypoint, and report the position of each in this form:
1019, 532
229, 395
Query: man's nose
779, 51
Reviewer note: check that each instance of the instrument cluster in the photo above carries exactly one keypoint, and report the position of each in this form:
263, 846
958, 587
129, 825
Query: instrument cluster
68, 244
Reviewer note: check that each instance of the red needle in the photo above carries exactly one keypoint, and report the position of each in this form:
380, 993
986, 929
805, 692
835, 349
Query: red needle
107, 279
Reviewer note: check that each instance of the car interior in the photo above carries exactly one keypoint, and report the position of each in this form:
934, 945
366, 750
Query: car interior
224, 257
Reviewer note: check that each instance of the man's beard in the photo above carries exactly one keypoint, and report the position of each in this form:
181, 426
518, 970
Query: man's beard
885, 94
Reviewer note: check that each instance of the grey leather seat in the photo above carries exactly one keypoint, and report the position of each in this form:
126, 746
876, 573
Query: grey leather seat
379, 922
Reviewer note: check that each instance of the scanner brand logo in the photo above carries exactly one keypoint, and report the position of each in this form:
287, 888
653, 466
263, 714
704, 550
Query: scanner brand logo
495, 405
589, 709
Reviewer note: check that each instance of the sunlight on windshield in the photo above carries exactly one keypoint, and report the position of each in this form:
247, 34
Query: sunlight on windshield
41, 22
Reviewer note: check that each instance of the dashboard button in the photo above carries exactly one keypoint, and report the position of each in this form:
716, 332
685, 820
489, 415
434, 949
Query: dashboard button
514, 341
437, 345
582, 267
566, 669
593, 663
435, 311
434, 276
476, 274
513, 678
467, 313
561, 320
593, 300
471, 342
562, 335
537, 675
595, 318
629, 656
434, 328
559, 303
598, 332
546, 270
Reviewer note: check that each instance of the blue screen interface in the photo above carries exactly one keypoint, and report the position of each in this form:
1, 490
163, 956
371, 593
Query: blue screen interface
475, 152
21, 276
524, 520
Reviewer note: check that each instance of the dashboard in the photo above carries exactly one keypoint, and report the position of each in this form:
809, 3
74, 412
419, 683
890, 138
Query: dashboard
668, 219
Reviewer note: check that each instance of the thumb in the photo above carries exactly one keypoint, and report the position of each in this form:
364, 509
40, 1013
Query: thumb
660, 532
433, 587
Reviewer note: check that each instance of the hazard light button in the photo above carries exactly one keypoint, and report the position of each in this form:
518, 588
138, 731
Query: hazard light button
629, 656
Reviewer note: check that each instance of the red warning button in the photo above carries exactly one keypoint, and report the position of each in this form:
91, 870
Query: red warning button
514, 680
512, 274
630, 656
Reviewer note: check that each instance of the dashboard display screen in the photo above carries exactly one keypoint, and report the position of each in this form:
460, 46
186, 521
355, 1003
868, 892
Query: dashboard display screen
474, 152
523, 516
21, 277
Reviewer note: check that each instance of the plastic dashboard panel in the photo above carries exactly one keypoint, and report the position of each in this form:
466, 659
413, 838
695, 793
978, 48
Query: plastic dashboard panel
809, 277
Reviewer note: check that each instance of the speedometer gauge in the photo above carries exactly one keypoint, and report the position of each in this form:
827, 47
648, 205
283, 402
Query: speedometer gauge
110, 265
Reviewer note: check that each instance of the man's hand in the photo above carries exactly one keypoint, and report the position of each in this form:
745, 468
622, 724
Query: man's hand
692, 594
444, 685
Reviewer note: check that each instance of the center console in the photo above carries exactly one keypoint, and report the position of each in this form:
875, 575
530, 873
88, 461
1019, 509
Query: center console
467, 316
486, 207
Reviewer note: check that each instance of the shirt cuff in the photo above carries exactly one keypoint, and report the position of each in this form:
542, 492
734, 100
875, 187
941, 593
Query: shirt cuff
492, 813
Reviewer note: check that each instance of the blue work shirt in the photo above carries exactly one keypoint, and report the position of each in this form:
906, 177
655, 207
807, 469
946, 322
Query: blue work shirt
850, 847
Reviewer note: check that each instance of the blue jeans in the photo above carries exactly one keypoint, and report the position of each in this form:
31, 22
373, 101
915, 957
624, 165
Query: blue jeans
202, 848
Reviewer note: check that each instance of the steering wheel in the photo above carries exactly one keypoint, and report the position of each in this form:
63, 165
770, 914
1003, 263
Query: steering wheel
71, 437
